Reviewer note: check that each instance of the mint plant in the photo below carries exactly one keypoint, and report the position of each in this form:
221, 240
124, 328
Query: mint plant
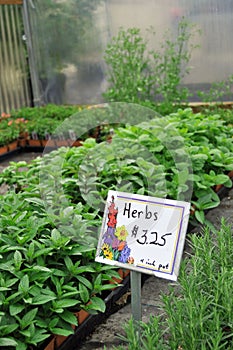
45, 276
50, 216
143, 152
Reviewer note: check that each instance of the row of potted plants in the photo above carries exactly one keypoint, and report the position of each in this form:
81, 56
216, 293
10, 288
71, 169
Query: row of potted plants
38, 127
35, 126
50, 217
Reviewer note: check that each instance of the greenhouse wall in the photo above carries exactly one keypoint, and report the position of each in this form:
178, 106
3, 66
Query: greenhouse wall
14, 78
70, 39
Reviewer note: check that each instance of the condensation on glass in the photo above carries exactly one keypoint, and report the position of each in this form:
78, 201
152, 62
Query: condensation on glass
69, 41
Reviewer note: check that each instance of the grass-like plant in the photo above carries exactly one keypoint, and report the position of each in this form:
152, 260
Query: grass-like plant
197, 313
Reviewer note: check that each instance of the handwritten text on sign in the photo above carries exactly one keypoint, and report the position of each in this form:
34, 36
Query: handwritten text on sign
143, 233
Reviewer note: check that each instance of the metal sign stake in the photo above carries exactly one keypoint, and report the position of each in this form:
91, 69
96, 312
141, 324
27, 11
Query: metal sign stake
136, 305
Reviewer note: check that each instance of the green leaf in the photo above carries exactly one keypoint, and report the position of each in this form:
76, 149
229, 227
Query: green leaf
6, 266
69, 317
84, 281
84, 293
14, 296
65, 303
69, 263
98, 282
210, 205
21, 346
31, 249
25, 332
53, 322
200, 216
4, 289
96, 304
55, 235
43, 251
15, 309
59, 273
42, 299
221, 179
8, 329
7, 342
41, 268
28, 318
20, 217
108, 286
39, 337
11, 282
83, 269
17, 259
24, 284
61, 331
34, 200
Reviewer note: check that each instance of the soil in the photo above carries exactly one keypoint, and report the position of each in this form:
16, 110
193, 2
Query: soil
106, 335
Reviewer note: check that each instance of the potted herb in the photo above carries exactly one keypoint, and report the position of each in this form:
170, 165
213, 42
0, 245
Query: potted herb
9, 135
41, 130
3, 143
48, 277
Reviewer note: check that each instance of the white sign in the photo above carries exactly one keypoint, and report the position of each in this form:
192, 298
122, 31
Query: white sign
143, 233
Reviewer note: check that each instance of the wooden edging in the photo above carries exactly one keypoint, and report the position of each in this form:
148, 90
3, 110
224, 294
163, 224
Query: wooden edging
11, 2
23, 145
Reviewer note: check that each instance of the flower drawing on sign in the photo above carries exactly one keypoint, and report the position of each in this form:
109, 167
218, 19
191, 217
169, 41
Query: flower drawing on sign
125, 254
121, 233
114, 245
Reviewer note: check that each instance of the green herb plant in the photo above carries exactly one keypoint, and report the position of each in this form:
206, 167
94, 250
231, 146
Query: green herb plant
42, 127
143, 152
50, 217
197, 313
46, 276
8, 133
138, 74
216, 94
60, 112
129, 67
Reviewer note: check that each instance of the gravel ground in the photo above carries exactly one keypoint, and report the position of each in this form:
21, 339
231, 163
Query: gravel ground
106, 334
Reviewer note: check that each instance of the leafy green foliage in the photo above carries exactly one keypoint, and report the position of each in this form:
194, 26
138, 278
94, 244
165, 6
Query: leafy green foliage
8, 133
45, 275
137, 73
129, 67
51, 214
149, 158
48, 111
217, 92
197, 313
